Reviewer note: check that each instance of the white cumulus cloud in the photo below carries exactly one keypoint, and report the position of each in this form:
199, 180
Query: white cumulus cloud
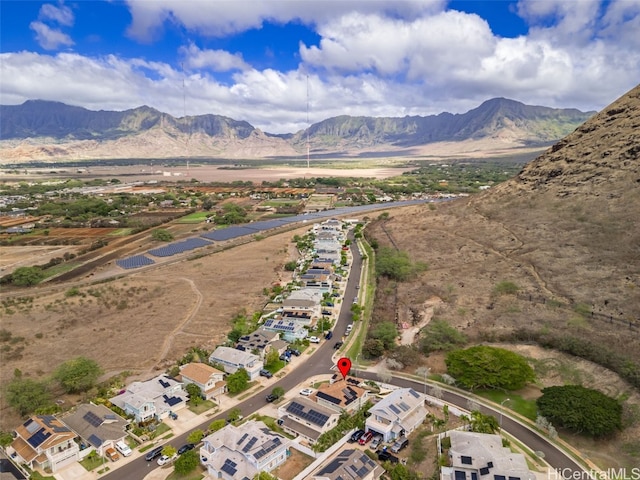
216, 60
50, 38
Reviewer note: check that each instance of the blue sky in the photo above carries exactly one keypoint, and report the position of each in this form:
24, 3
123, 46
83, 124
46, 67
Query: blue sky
262, 61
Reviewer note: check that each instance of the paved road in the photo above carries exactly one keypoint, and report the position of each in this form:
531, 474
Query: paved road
320, 363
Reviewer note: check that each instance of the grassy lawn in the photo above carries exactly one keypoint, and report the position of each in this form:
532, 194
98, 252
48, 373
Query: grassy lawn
91, 462
161, 429
278, 365
196, 217
245, 391
202, 407
516, 403
197, 474
61, 268
39, 476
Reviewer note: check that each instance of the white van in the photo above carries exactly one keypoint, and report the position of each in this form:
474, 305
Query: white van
123, 448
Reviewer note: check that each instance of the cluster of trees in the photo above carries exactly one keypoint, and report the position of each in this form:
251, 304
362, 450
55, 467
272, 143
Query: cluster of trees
29, 396
439, 336
483, 366
583, 410
396, 264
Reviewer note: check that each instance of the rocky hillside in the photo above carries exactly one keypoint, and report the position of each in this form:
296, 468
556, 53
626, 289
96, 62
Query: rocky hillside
563, 235
41, 130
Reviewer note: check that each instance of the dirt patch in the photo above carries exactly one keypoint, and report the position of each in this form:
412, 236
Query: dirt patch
296, 463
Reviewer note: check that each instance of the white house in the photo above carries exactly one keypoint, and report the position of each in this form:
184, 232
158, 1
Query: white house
44, 442
481, 455
398, 414
153, 399
236, 453
306, 418
233, 360
209, 379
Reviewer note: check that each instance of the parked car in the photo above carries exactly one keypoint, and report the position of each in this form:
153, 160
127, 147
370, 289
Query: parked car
112, 454
326, 313
355, 299
164, 459
293, 351
335, 294
375, 442
365, 438
123, 448
314, 339
349, 327
329, 304
285, 358
337, 345
386, 456
154, 453
186, 447
306, 391
401, 443
271, 398
355, 436
265, 373
173, 415
329, 335
357, 287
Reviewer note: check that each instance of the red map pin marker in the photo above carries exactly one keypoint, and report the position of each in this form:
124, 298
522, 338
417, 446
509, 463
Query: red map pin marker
344, 365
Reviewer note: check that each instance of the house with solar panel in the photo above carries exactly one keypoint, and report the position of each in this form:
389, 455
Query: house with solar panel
398, 414
351, 464
232, 360
305, 418
238, 453
210, 380
302, 306
343, 395
153, 399
44, 442
259, 342
475, 456
290, 330
97, 426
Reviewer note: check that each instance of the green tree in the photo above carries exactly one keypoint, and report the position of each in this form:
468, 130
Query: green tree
77, 375
399, 471
387, 333
27, 276
5, 439
583, 410
481, 423
187, 462
162, 235
290, 266
489, 367
373, 348
271, 360
438, 335
169, 450
396, 265
217, 425
195, 394
27, 396
264, 476
278, 392
195, 436
238, 381
234, 414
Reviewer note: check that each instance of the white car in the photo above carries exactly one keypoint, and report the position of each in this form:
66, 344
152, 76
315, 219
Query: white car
123, 448
314, 339
306, 391
164, 459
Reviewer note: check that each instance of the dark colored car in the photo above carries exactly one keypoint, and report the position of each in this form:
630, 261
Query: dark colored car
329, 304
326, 313
271, 398
329, 335
294, 351
265, 373
337, 345
356, 436
186, 448
154, 453
386, 456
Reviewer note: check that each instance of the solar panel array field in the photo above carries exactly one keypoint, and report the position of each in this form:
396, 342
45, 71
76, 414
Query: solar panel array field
179, 247
136, 261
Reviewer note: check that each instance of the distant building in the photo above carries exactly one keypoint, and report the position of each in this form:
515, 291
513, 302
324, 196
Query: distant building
304, 417
97, 425
398, 414
209, 379
342, 395
233, 360
349, 464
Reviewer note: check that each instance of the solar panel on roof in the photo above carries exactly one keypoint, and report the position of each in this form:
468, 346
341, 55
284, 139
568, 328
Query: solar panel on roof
466, 460
242, 439
489, 464
92, 419
228, 469
474, 476
459, 475
328, 398
31, 426
414, 393
250, 445
171, 401
110, 416
37, 438
404, 406
484, 471
95, 440
394, 409
164, 383
499, 477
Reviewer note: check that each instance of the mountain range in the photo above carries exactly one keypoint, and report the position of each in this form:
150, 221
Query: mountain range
40, 129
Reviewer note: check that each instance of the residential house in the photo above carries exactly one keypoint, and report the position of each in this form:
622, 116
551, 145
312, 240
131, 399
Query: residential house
97, 426
481, 455
153, 399
44, 442
238, 453
289, 329
306, 418
342, 395
398, 414
349, 464
232, 360
319, 281
302, 306
210, 380
258, 342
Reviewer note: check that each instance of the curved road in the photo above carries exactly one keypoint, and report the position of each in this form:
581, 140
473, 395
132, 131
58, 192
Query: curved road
320, 363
